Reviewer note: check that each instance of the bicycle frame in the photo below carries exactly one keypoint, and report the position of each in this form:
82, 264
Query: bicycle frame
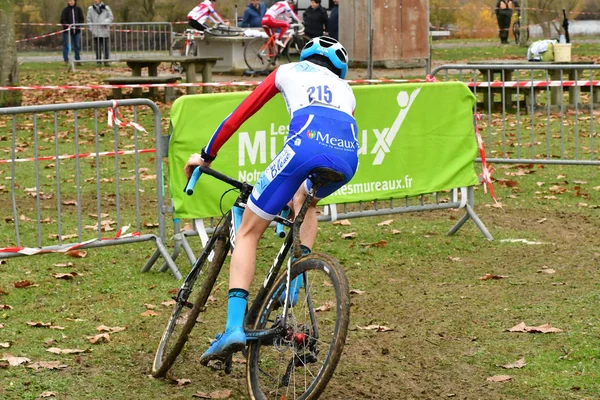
292, 239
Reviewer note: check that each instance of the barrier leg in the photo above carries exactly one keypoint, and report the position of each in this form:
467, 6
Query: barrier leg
175, 253
188, 250
162, 251
470, 214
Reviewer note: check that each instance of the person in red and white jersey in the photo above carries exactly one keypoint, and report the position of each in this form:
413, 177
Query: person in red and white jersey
322, 133
278, 16
203, 11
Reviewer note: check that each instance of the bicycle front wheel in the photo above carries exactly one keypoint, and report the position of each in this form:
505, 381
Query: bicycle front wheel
183, 319
257, 55
299, 364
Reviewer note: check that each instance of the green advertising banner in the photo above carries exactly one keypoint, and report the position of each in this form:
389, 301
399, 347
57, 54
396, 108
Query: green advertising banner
414, 139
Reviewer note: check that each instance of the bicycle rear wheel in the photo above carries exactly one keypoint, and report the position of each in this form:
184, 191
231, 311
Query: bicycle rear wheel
258, 55
182, 319
300, 364
293, 49
224, 30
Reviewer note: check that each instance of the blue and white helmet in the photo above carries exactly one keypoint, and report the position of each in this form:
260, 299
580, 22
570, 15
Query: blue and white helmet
329, 48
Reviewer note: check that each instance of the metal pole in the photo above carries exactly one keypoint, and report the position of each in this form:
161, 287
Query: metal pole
370, 39
429, 41
524, 24
236, 16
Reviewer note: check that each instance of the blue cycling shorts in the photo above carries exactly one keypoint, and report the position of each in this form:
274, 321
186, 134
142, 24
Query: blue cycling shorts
318, 137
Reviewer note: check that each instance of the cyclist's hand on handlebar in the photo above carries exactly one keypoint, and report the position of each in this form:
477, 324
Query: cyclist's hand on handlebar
192, 162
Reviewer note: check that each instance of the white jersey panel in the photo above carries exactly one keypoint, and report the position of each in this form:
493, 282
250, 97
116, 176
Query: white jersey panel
306, 84
202, 11
281, 10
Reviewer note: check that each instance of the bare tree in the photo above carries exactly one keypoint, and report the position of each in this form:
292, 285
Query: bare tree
8, 56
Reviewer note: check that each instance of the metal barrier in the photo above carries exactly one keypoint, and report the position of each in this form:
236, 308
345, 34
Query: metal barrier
534, 113
124, 40
66, 188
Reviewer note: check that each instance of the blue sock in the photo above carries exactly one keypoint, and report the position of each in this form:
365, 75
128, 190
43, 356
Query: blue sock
236, 308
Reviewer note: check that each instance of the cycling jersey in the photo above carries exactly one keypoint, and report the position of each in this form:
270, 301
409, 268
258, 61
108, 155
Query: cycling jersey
322, 132
282, 11
204, 11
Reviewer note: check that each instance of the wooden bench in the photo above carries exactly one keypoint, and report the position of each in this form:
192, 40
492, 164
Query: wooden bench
117, 93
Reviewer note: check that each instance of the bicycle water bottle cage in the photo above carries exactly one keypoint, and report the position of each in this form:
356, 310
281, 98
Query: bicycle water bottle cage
322, 176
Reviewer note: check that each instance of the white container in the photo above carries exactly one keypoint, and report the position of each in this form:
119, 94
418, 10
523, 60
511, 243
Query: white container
562, 52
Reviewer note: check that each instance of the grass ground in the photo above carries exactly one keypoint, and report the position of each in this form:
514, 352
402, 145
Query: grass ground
448, 327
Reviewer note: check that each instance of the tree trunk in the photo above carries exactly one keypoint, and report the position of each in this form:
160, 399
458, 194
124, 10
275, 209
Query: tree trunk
8, 56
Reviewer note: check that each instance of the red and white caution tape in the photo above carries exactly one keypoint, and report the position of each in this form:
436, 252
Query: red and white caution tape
534, 84
30, 251
36, 24
486, 175
83, 155
113, 118
39, 37
194, 84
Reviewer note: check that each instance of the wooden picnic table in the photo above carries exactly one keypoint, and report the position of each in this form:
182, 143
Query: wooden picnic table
192, 65
505, 72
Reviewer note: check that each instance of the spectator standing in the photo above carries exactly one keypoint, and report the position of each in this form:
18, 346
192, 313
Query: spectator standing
71, 14
253, 14
504, 12
315, 19
100, 13
333, 24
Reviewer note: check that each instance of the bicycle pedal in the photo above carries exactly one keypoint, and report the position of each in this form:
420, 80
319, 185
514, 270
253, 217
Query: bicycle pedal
186, 304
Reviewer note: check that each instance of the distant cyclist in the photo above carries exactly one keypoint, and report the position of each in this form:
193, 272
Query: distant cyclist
278, 16
203, 11
322, 133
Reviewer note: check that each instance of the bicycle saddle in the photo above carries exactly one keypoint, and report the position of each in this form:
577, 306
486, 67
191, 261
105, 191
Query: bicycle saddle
322, 176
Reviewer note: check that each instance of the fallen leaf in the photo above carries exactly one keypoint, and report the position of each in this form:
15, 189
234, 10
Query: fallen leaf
377, 328
68, 264
113, 329
23, 284
2, 292
328, 305
541, 221
5, 307
547, 270
219, 394
149, 306
69, 202
168, 303
395, 231
357, 291
348, 235
56, 350
454, 258
546, 328
149, 313
520, 363
150, 224
385, 223
101, 338
14, 361
75, 319
47, 365
343, 222
380, 244
48, 394
499, 378
64, 276
5, 345
39, 324
327, 284
1, 326
183, 382
492, 276
77, 253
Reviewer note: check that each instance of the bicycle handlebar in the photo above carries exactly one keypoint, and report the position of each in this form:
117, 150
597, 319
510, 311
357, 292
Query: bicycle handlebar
191, 183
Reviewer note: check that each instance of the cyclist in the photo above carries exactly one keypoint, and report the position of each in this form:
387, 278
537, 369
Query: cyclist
278, 16
203, 11
322, 133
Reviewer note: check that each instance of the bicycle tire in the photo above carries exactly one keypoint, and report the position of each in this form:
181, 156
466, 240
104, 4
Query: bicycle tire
224, 31
256, 59
265, 360
516, 28
165, 358
293, 48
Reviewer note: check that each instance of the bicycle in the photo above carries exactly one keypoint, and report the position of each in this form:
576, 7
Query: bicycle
224, 30
260, 54
284, 343
516, 29
189, 47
